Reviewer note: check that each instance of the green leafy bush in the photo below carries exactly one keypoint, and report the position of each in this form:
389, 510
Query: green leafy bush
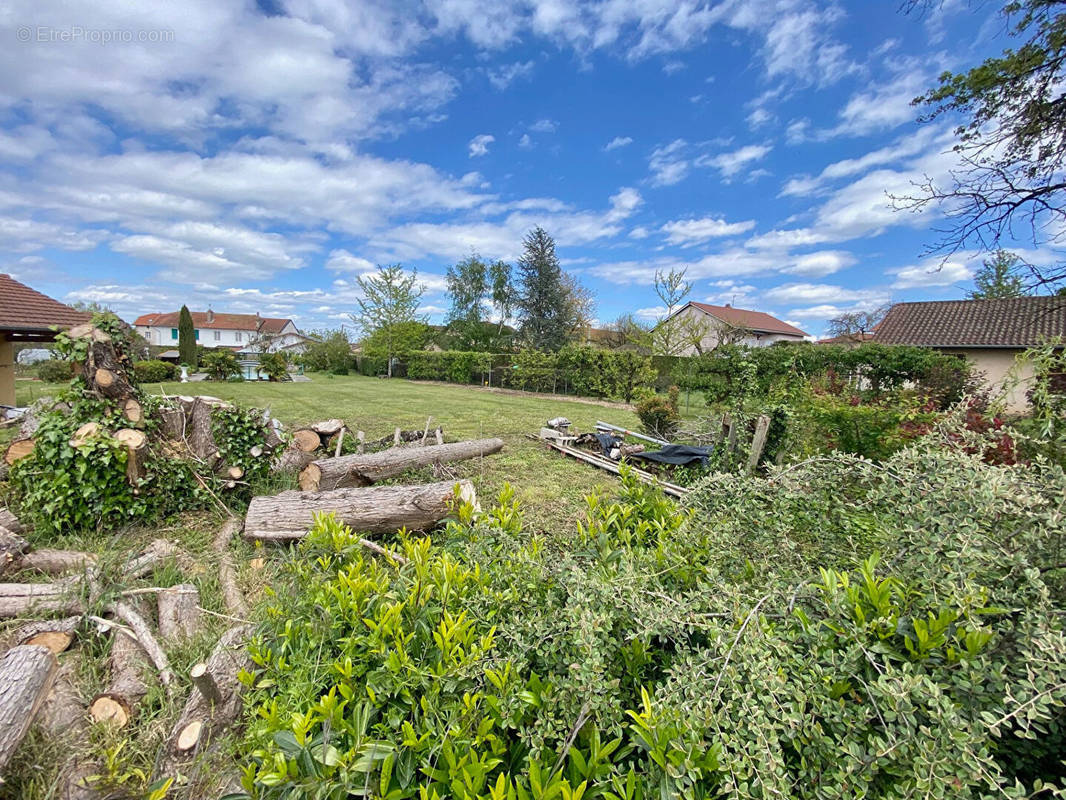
274, 365
842, 630
532, 371
154, 371
659, 414
329, 351
457, 366
220, 364
54, 371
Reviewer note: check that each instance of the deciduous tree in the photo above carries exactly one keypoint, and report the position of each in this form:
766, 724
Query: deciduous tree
390, 299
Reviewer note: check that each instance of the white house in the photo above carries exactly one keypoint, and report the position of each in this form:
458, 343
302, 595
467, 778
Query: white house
235, 331
735, 325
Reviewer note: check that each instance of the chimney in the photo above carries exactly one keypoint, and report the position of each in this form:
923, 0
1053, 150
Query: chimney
727, 305
210, 316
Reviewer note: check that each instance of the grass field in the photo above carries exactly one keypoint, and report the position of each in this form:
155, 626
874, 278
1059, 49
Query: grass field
550, 486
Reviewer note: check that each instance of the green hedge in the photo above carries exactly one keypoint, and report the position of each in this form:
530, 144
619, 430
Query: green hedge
455, 366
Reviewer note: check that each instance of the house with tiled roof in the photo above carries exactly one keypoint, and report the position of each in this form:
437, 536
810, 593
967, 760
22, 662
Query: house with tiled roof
990, 333
26, 315
736, 326
234, 331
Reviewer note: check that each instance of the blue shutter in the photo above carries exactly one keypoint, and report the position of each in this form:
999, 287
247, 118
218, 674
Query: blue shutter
173, 333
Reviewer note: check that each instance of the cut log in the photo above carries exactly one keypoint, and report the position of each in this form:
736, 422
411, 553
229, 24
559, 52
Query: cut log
202, 717
128, 666
52, 562
136, 444
156, 553
23, 599
293, 459
139, 628
327, 428
62, 713
362, 470
11, 522
18, 450
12, 547
26, 676
133, 411
232, 597
55, 634
198, 433
173, 422
376, 509
205, 683
106, 371
84, 433
179, 612
255, 451
306, 439
235, 473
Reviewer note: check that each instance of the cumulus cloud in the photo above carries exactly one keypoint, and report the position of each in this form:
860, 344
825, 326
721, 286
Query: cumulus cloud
920, 276
479, 145
617, 142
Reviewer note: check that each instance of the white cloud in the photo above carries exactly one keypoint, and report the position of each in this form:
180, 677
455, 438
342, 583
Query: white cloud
342, 261
479, 145
525, 142
793, 293
544, 126
668, 164
503, 76
729, 164
687, 232
617, 142
921, 276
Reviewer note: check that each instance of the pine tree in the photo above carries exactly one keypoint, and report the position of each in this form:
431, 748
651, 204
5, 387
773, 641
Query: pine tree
186, 339
997, 278
542, 300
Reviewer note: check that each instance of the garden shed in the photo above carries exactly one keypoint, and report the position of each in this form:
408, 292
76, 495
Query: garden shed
26, 315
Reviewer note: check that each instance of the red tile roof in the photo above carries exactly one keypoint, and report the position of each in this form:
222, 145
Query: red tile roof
756, 321
230, 322
26, 310
1016, 322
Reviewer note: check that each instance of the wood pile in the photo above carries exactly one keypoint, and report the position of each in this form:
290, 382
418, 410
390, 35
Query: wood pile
33, 688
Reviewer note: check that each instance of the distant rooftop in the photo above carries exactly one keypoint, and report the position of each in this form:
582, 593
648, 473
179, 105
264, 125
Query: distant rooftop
756, 321
208, 320
1017, 322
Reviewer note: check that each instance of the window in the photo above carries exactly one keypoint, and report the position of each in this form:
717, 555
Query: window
218, 336
173, 333
238, 336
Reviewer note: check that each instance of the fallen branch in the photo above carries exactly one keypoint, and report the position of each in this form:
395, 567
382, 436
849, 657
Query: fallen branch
144, 637
232, 596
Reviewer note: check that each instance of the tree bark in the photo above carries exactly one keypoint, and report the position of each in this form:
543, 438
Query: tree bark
22, 599
293, 459
204, 716
26, 676
12, 548
52, 562
127, 664
198, 433
232, 597
179, 612
362, 470
10, 522
327, 428
377, 509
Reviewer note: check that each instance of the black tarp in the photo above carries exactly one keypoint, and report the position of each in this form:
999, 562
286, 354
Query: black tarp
677, 454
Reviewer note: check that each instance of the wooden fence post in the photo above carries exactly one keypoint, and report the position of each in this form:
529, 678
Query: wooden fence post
758, 441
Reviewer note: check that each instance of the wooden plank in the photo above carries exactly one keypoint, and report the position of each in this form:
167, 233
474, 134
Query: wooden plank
611, 466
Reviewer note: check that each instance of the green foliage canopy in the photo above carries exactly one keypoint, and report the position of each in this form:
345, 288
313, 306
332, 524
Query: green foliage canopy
187, 339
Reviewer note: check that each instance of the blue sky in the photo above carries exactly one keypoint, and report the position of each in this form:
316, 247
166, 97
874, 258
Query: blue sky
259, 157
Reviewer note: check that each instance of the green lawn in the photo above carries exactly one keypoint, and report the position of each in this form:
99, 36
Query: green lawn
550, 486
